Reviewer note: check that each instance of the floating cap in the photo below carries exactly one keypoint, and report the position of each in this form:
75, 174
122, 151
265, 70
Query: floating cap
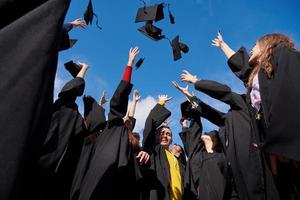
139, 63
150, 13
73, 68
89, 14
151, 31
178, 47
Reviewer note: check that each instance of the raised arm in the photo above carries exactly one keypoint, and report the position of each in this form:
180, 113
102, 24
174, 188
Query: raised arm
215, 90
220, 43
155, 118
103, 99
83, 70
75, 87
135, 99
239, 64
65, 42
211, 114
76, 23
190, 136
119, 101
237, 61
214, 116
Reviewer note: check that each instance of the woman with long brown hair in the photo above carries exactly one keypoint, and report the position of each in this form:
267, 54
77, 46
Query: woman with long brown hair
272, 76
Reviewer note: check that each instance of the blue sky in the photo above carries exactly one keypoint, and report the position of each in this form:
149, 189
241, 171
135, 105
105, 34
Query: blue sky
241, 22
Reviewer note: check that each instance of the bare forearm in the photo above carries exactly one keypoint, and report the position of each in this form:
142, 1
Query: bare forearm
82, 72
227, 50
132, 109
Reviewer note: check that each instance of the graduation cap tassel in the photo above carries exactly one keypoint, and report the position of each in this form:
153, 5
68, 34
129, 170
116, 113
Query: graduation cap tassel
97, 21
171, 16
139, 63
164, 37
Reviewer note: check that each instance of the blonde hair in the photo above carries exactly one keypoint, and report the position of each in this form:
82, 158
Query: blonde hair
263, 61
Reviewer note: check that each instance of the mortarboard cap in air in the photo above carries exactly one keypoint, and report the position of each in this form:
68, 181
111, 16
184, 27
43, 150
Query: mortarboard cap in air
150, 13
139, 63
73, 68
89, 14
177, 47
171, 16
151, 31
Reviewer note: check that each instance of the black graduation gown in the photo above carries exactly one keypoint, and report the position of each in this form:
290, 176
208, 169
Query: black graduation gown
94, 115
65, 38
206, 173
28, 66
112, 172
280, 116
280, 121
62, 146
158, 178
240, 134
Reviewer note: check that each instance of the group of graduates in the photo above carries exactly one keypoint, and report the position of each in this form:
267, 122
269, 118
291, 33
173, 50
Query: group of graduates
254, 155
92, 157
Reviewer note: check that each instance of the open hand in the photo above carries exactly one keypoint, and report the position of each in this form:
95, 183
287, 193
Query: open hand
218, 41
143, 157
103, 99
132, 54
82, 65
136, 96
187, 77
79, 23
182, 89
164, 98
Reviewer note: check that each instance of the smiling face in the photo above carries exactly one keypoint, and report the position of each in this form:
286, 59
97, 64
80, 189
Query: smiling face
165, 137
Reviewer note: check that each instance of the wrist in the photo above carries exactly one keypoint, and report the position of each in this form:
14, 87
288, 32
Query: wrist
223, 45
194, 80
130, 63
209, 151
162, 102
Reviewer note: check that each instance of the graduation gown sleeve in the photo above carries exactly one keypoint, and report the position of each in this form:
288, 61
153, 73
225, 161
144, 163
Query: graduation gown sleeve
94, 115
211, 114
191, 137
239, 64
192, 145
73, 88
221, 92
155, 118
119, 101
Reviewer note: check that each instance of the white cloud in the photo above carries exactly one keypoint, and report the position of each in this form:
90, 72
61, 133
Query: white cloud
58, 84
141, 112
